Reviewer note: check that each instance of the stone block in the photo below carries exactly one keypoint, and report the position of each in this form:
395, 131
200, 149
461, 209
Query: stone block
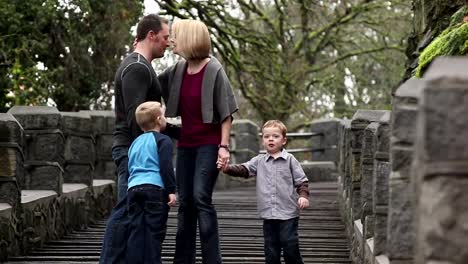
404, 124
104, 146
369, 143
443, 207
103, 122
12, 164
242, 155
105, 169
104, 197
400, 232
79, 149
78, 173
319, 170
44, 176
10, 129
367, 172
41, 220
380, 230
36, 117
9, 192
380, 186
401, 158
76, 123
383, 139
45, 146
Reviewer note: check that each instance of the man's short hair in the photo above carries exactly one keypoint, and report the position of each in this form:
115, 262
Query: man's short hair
278, 124
149, 23
146, 115
193, 38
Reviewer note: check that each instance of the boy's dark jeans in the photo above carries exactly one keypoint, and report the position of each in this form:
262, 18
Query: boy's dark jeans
282, 234
196, 178
147, 213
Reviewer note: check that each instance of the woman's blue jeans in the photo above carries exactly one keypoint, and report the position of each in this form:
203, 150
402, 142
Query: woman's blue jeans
196, 177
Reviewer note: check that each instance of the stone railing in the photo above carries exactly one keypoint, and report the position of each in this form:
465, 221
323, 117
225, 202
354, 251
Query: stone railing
403, 175
56, 174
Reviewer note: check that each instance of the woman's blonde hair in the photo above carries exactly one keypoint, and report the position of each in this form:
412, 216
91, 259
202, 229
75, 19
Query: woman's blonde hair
147, 115
278, 124
193, 38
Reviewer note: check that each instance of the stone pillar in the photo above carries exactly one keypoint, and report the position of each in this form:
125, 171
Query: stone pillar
79, 148
441, 155
326, 145
367, 173
11, 180
380, 184
403, 123
44, 146
361, 119
103, 123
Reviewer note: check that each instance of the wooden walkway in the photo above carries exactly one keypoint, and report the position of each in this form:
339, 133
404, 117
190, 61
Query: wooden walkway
322, 234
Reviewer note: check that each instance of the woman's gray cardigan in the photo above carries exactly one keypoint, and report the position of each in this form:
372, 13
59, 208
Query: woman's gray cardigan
217, 99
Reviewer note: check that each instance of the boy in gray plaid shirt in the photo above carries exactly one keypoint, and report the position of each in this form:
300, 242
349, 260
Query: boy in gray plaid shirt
278, 174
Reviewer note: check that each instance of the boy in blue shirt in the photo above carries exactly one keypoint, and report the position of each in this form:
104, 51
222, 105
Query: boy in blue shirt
151, 186
282, 191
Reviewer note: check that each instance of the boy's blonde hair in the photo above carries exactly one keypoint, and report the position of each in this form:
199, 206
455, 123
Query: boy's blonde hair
147, 115
277, 124
193, 38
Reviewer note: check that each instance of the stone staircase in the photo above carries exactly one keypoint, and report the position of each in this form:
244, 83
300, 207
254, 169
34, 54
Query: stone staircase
322, 233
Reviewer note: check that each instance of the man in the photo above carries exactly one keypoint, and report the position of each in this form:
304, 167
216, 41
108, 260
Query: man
135, 83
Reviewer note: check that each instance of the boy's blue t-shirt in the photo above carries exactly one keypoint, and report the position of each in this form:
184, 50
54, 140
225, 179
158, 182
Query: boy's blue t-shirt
150, 161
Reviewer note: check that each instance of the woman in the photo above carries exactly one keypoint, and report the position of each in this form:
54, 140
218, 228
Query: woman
198, 90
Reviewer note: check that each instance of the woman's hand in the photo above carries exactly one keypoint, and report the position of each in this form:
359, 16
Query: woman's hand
223, 158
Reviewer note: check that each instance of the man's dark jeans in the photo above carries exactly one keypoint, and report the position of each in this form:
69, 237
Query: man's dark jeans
120, 157
196, 178
282, 234
147, 212
114, 247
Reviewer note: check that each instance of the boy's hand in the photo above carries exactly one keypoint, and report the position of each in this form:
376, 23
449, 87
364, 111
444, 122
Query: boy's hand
303, 203
172, 200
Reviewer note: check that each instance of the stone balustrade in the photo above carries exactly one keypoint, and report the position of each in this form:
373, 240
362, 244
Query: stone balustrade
402, 174
48, 182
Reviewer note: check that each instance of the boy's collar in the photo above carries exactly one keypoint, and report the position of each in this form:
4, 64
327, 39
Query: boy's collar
282, 155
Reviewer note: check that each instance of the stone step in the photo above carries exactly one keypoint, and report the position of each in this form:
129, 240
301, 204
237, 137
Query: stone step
322, 234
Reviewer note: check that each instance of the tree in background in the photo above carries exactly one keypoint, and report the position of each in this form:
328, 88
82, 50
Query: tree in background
302, 59
63, 52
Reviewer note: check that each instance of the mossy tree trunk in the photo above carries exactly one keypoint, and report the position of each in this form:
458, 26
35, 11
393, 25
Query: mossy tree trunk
431, 17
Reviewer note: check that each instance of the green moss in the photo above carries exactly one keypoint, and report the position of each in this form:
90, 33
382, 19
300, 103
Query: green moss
451, 42
458, 16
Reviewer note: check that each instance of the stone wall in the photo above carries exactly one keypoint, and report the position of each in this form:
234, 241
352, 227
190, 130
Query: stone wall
403, 175
48, 181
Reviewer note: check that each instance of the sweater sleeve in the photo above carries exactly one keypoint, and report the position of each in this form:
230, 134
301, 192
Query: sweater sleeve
165, 162
136, 81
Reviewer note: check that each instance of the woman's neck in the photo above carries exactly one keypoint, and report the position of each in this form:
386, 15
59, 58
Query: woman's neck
195, 66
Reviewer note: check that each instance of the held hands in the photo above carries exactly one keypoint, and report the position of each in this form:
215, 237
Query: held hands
303, 203
172, 200
223, 159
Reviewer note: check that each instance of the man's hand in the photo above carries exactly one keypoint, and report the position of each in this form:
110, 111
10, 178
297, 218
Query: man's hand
172, 200
303, 203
